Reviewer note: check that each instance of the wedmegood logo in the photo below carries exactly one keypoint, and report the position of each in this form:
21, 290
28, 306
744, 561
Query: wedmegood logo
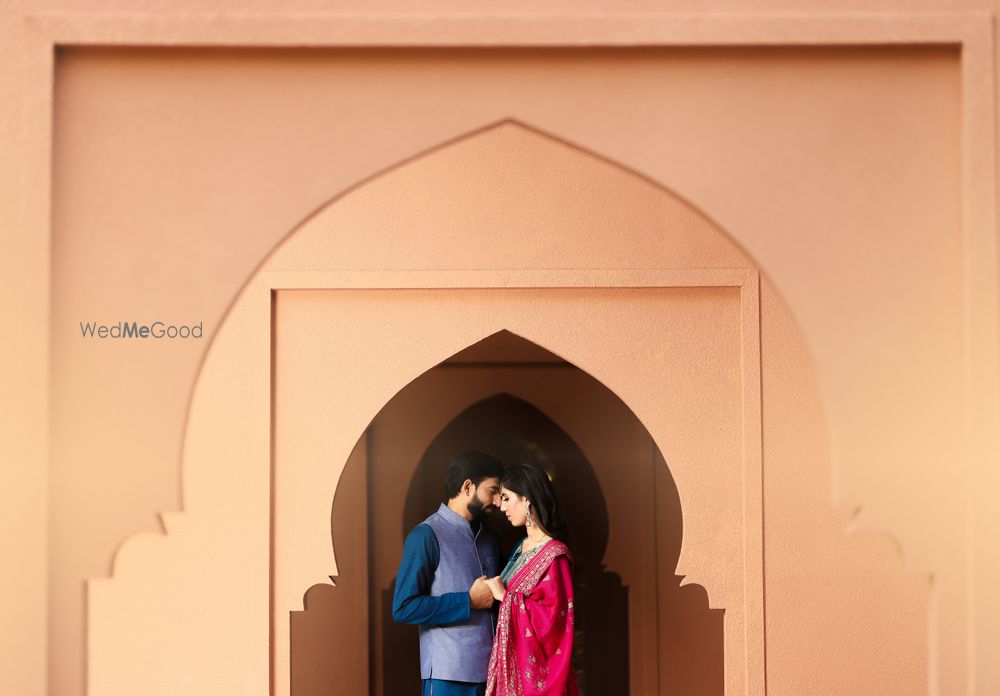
134, 330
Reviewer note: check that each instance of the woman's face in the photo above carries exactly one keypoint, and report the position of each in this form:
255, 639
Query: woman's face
514, 506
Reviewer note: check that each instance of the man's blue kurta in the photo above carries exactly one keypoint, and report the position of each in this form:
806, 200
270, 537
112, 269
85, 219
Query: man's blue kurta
414, 604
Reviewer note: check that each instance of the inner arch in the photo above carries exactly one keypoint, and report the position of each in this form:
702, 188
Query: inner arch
595, 447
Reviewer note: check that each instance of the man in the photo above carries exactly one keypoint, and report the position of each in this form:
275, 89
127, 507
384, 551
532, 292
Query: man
441, 583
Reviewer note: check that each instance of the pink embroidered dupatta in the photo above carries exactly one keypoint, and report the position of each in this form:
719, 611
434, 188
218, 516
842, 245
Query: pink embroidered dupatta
534, 640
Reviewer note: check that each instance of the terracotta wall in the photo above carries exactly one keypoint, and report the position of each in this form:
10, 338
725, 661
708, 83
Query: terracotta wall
838, 170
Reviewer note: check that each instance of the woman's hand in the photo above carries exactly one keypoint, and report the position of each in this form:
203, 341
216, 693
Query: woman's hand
497, 588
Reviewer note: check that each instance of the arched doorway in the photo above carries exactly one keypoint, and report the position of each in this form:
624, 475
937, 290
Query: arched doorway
636, 626
628, 282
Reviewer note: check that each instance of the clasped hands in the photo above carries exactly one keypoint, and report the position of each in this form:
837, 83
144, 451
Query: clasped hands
484, 590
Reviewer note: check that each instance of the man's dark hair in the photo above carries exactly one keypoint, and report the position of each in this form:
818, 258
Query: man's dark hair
474, 466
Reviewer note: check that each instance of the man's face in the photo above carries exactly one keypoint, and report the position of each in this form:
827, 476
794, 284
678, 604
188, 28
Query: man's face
485, 499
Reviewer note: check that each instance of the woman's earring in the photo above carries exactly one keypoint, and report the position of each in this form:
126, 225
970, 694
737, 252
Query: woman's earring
528, 521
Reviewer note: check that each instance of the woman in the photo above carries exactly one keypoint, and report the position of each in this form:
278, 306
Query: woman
534, 640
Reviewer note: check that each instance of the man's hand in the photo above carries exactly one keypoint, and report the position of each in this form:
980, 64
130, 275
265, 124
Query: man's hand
480, 595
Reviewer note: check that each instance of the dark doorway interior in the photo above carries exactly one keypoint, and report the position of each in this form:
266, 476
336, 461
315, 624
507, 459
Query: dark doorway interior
514, 430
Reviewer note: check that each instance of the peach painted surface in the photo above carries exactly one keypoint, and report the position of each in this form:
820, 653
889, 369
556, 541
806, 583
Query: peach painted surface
837, 171
496, 190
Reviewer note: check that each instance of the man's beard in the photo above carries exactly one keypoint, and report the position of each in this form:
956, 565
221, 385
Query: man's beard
479, 510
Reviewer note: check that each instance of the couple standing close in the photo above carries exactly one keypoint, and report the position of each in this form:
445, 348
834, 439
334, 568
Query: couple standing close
449, 581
